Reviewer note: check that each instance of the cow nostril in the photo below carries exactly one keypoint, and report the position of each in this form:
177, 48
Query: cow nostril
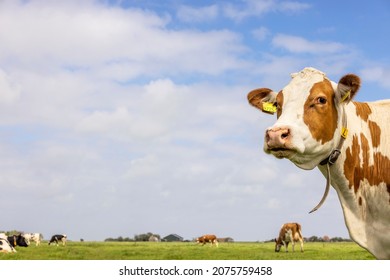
285, 135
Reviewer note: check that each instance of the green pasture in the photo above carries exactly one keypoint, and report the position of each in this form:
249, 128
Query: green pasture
187, 251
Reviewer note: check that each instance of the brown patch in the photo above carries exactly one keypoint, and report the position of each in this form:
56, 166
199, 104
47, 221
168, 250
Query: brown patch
360, 201
256, 96
352, 82
362, 110
279, 103
356, 173
321, 118
375, 132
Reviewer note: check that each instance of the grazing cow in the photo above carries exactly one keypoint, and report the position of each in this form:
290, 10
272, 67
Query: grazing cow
318, 125
208, 238
6, 247
58, 237
17, 240
290, 232
36, 237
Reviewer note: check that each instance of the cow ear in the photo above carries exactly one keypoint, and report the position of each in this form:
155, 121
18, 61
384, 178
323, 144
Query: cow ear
263, 99
347, 88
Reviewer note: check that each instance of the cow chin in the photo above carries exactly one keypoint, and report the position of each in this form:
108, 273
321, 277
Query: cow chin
302, 161
282, 153
305, 163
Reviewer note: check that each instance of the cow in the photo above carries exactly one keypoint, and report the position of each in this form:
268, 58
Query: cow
290, 232
5, 246
58, 237
319, 125
208, 238
17, 240
36, 237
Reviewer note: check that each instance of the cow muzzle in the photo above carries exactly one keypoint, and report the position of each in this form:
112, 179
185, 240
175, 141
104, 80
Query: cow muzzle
278, 142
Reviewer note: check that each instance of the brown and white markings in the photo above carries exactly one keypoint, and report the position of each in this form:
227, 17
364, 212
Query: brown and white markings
207, 238
318, 125
290, 232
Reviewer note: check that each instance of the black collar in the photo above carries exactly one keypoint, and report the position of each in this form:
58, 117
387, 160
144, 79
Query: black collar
334, 155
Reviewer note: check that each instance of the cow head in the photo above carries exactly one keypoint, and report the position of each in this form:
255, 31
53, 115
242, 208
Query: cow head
278, 244
309, 116
21, 240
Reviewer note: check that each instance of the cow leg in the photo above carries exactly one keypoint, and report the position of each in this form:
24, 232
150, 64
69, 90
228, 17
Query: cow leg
301, 245
285, 243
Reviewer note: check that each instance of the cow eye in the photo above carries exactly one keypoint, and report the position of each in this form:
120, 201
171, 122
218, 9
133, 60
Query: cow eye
321, 100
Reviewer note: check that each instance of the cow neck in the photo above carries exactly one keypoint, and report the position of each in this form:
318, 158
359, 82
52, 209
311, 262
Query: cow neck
331, 159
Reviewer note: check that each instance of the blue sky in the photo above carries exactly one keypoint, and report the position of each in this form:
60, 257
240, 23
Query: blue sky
124, 117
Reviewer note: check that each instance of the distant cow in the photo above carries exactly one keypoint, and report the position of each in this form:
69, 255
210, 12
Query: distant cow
36, 237
6, 247
290, 232
58, 237
17, 240
208, 238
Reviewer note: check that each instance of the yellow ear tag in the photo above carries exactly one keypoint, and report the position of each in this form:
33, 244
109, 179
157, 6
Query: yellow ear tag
346, 95
269, 107
344, 132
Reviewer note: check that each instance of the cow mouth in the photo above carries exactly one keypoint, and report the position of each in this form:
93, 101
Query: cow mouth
281, 152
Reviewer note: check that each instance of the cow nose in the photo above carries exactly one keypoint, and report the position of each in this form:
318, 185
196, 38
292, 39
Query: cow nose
277, 137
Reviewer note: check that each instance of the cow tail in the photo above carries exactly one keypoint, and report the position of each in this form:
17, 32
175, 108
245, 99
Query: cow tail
299, 230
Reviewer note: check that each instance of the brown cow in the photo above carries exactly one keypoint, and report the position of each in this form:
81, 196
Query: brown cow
290, 232
208, 238
319, 125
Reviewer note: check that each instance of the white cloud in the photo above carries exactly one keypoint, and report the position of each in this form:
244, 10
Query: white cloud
255, 8
239, 10
293, 6
273, 203
378, 74
9, 90
261, 33
296, 44
202, 14
124, 43
250, 8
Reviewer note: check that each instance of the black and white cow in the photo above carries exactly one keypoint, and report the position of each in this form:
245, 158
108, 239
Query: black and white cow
17, 240
6, 247
58, 237
36, 237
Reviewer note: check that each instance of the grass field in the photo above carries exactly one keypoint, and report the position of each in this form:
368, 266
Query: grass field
187, 251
